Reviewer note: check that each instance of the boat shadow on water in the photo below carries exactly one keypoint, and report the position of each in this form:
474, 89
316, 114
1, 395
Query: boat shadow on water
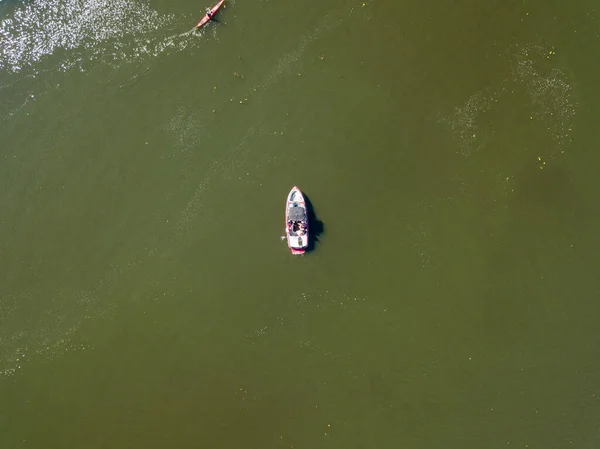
315, 226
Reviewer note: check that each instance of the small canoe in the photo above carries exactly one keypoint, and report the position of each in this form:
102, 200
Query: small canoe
213, 11
296, 222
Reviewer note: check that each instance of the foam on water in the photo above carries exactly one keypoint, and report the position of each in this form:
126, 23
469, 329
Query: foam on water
549, 102
549, 90
19, 349
52, 331
312, 303
45, 326
217, 169
284, 65
188, 130
547, 87
464, 121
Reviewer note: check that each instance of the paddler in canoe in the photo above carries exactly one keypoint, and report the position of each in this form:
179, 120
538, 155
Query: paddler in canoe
210, 14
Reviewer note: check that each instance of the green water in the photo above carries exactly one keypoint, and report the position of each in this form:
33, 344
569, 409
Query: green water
448, 149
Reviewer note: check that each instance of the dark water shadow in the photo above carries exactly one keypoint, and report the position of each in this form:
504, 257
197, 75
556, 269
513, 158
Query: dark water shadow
316, 227
218, 22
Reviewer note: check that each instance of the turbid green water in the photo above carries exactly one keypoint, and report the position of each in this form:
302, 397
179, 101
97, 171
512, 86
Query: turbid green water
449, 151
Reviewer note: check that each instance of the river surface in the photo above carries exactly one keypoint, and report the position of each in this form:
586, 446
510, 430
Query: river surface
448, 149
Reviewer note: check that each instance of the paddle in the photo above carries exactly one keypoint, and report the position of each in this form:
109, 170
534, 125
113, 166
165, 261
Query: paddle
212, 18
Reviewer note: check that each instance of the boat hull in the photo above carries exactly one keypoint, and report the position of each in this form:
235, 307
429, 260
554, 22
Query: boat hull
296, 222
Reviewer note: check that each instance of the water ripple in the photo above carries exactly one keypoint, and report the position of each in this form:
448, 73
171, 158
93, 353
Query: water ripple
96, 27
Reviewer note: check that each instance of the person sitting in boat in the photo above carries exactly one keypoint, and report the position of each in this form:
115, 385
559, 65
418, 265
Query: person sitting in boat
209, 13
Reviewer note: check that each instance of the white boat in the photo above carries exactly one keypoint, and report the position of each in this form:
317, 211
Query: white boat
296, 222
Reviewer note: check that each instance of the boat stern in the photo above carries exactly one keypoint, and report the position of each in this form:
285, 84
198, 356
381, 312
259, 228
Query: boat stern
297, 244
